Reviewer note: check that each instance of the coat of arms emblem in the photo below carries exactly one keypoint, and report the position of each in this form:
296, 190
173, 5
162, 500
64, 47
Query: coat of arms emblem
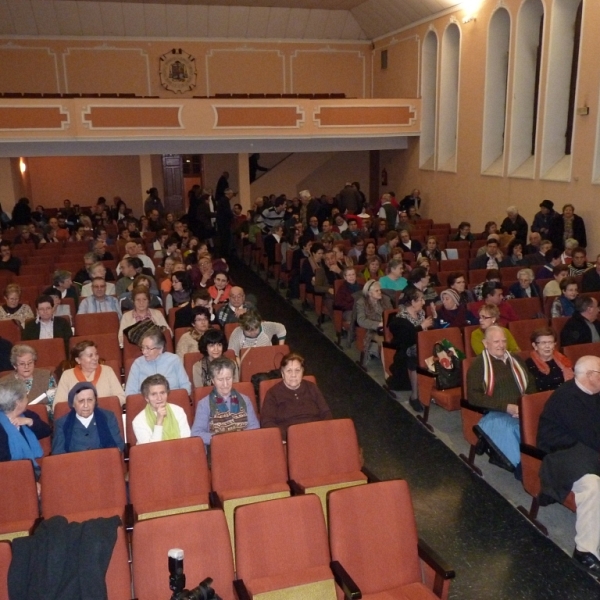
178, 71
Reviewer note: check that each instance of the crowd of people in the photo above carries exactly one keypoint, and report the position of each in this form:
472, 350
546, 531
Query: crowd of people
362, 259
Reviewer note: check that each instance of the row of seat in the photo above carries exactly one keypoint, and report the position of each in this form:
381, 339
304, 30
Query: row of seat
283, 550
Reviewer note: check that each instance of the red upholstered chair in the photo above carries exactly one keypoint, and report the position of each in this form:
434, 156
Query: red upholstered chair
557, 323
18, 498
530, 410
84, 485
522, 330
50, 353
467, 331
93, 324
168, 478
10, 330
261, 360
42, 412
281, 545
5, 560
323, 456
574, 353
205, 540
383, 556
526, 308
118, 574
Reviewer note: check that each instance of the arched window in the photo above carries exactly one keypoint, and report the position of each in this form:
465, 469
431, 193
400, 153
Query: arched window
448, 107
428, 101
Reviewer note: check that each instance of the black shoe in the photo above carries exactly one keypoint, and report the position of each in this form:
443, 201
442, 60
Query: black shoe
496, 456
416, 405
588, 561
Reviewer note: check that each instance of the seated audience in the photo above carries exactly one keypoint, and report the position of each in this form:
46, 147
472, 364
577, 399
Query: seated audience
344, 297
135, 249
407, 244
457, 281
492, 294
491, 275
568, 433
99, 301
141, 312
27, 237
357, 245
131, 268
221, 288
419, 278
155, 360
452, 313
181, 290
551, 260
579, 264
589, 283
13, 308
496, 381
8, 262
564, 305
393, 279
63, 285
404, 327
293, 400
525, 287
253, 332
213, 344
38, 382
224, 409
200, 324
373, 269
548, 366
567, 256
464, 233
140, 281
183, 315
46, 325
515, 255
160, 420
491, 257
583, 327
20, 429
86, 426
552, 288
95, 271
203, 274
488, 316
87, 367
391, 241
370, 250
431, 250
235, 308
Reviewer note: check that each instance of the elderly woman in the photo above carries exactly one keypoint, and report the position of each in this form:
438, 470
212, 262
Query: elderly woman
181, 290
411, 319
141, 312
20, 429
393, 279
344, 297
566, 226
200, 323
548, 366
126, 298
564, 305
86, 426
373, 269
525, 287
224, 409
212, 345
457, 281
452, 313
293, 400
431, 250
38, 382
420, 279
221, 288
488, 315
160, 420
155, 360
87, 367
369, 309
253, 332
13, 308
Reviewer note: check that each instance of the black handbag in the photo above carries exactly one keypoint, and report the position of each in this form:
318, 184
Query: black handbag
448, 369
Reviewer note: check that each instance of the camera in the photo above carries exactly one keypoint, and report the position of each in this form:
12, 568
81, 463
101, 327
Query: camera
203, 591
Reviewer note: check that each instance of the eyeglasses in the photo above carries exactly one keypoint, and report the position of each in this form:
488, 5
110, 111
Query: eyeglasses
484, 318
546, 343
148, 348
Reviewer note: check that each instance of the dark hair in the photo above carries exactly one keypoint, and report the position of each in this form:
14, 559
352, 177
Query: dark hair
185, 279
135, 262
541, 332
582, 303
552, 254
316, 247
493, 274
42, 299
566, 282
513, 244
201, 294
452, 277
212, 336
151, 380
417, 274
578, 250
411, 293
560, 269
492, 240
78, 348
198, 311
288, 358
5, 244
464, 224
489, 287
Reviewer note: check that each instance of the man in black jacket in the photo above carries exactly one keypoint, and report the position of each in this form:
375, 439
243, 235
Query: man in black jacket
582, 327
515, 224
46, 325
591, 278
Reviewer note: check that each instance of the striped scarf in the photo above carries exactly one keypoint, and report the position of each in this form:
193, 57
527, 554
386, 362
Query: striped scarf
488, 373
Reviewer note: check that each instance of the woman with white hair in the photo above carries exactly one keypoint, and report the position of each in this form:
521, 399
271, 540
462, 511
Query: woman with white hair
525, 287
515, 224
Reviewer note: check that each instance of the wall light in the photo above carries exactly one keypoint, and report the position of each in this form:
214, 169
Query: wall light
22, 166
470, 8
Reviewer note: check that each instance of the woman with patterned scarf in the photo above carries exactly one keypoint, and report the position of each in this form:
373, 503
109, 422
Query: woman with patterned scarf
224, 409
548, 366
160, 420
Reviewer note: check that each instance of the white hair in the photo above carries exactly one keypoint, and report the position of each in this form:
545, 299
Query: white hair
305, 194
512, 210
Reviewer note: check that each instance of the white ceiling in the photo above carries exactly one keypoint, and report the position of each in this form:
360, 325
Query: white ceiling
265, 19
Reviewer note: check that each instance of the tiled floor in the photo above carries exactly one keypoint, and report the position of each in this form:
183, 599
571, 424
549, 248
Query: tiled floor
496, 553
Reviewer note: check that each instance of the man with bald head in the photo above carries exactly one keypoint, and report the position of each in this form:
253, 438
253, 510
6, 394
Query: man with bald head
496, 381
235, 308
135, 249
569, 431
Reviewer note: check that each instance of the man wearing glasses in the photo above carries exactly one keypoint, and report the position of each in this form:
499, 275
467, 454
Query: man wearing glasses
569, 431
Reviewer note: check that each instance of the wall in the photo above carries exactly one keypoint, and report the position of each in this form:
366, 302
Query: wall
468, 194
132, 66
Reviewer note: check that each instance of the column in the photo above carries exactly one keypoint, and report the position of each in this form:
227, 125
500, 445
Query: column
244, 197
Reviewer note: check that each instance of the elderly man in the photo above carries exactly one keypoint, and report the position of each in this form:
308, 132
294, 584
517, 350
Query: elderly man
579, 264
134, 249
130, 269
582, 327
97, 270
492, 293
45, 325
591, 278
62, 283
496, 381
491, 258
514, 224
388, 211
235, 308
569, 431
327, 230
98, 301
407, 244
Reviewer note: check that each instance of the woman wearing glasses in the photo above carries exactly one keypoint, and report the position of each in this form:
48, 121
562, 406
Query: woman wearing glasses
549, 367
488, 315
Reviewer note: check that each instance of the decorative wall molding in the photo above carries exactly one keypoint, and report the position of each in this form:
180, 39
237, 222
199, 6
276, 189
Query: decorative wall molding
263, 116
12, 46
120, 116
365, 116
41, 117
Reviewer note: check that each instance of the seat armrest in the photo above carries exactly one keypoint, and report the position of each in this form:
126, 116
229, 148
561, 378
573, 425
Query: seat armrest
241, 591
425, 372
214, 500
346, 583
532, 451
371, 477
129, 517
466, 404
297, 489
388, 345
434, 560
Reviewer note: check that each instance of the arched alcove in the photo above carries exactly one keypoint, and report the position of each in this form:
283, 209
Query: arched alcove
429, 64
448, 106
496, 87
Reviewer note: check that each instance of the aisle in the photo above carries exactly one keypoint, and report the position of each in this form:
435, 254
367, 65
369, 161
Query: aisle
495, 552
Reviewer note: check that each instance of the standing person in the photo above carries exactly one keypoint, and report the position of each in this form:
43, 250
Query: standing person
21, 214
254, 166
225, 217
543, 219
515, 224
567, 226
153, 202
222, 184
